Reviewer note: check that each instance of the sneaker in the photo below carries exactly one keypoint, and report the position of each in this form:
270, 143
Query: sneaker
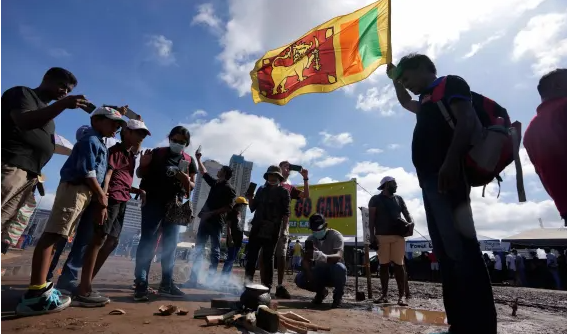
337, 303
93, 299
171, 290
49, 301
320, 297
141, 293
281, 292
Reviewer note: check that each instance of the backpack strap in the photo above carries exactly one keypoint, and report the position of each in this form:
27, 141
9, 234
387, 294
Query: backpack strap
515, 132
446, 114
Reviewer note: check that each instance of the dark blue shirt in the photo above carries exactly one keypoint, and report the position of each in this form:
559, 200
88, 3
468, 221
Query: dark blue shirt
88, 159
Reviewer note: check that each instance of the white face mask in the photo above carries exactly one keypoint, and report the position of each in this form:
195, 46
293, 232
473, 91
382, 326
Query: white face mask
175, 147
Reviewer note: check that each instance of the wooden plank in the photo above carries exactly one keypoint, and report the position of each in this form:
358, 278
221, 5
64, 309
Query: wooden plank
204, 312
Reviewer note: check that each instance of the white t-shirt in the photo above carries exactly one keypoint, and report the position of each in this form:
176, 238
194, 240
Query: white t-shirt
498, 263
511, 262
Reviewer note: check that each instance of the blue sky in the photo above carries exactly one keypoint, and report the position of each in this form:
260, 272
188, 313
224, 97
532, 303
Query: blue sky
188, 62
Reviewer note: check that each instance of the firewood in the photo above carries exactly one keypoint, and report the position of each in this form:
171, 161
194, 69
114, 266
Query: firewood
312, 326
294, 316
297, 329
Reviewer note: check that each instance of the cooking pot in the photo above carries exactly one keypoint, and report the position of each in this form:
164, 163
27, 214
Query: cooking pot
255, 295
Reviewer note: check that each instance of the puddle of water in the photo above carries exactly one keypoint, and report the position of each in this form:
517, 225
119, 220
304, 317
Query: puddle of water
412, 315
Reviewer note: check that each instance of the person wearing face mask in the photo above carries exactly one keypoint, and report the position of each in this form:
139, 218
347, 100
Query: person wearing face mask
271, 209
165, 178
385, 211
323, 264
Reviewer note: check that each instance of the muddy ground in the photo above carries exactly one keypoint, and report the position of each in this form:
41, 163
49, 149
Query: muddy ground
540, 311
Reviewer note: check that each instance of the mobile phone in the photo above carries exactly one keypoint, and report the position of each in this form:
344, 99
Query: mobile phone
295, 168
251, 188
309, 245
131, 114
89, 108
199, 149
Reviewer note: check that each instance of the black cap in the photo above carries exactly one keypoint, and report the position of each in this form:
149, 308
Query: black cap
316, 222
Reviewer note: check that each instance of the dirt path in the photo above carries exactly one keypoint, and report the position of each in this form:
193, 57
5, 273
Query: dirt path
546, 313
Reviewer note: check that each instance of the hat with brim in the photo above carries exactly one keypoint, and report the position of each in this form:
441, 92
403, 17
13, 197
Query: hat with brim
316, 222
241, 200
275, 170
109, 113
385, 180
135, 124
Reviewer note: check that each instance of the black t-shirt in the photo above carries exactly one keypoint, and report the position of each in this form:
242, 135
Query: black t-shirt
388, 210
221, 195
29, 150
432, 135
233, 218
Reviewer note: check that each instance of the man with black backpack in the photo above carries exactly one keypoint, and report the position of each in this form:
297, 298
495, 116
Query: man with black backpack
385, 212
447, 127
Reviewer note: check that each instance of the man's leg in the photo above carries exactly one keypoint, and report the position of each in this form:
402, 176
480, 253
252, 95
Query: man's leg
112, 239
59, 247
268, 250
321, 277
281, 250
338, 274
152, 215
260, 265
398, 248
169, 240
215, 232
17, 184
465, 279
68, 280
384, 255
254, 246
196, 267
231, 253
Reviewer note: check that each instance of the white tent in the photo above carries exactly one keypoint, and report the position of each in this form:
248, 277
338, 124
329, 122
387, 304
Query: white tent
540, 237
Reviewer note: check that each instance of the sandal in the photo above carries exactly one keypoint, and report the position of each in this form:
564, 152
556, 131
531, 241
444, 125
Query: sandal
401, 302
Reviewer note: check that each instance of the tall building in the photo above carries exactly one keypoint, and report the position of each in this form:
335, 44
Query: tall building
241, 173
201, 191
132, 219
37, 222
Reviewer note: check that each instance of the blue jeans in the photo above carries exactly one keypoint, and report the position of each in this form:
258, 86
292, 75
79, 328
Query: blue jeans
231, 254
153, 217
206, 230
465, 279
325, 275
74, 262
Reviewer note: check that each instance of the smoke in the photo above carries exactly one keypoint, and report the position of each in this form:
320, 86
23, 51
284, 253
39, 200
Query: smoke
215, 280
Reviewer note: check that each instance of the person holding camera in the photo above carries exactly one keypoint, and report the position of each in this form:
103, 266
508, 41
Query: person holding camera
386, 224
323, 263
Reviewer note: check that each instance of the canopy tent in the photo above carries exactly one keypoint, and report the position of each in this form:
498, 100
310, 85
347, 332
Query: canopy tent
540, 237
423, 244
62, 145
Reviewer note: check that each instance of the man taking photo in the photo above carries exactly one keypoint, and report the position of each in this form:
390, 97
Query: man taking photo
323, 264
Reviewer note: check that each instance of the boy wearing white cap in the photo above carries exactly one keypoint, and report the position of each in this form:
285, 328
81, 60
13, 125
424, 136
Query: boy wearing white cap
118, 185
82, 176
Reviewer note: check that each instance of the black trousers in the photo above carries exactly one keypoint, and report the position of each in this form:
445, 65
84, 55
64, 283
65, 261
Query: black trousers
268, 247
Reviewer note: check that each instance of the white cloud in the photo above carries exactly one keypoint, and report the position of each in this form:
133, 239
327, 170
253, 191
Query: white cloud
327, 179
475, 48
374, 150
206, 16
527, 166
493, 217
330, 161
199, 113
394, 146
233, 131
545, 39
256, 26
161, 49
382, 99
338, 140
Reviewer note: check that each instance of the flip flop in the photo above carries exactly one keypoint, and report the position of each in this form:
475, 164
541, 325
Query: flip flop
402, 303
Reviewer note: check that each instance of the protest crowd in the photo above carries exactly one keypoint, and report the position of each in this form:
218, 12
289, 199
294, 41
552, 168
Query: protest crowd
461, 139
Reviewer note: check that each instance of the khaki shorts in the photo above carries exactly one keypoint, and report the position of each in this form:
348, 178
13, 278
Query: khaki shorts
281, 247
70, 202
391, 248
17, 185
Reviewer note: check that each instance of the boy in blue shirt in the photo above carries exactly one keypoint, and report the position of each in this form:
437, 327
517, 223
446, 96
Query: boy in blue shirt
82, 176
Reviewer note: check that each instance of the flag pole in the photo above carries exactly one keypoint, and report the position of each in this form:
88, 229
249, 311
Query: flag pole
389, 55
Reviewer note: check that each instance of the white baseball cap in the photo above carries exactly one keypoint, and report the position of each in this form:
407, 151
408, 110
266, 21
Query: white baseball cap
109, 113
385, 180
134, 124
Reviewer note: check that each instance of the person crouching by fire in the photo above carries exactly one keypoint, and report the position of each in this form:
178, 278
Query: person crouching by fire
323, 264
271, 208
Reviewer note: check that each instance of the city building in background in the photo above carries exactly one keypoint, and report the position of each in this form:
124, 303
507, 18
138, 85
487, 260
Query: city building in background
37, 222
241, 174
201, 192
132, 219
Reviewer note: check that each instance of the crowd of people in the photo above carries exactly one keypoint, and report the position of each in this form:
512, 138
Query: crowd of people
96, 182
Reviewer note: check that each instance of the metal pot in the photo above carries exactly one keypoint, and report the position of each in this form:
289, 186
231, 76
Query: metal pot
255, 295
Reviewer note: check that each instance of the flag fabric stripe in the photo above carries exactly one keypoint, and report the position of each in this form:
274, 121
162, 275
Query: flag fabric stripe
369, 46
350, 56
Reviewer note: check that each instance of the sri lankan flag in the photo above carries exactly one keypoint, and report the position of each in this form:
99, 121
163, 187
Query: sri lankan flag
337, 53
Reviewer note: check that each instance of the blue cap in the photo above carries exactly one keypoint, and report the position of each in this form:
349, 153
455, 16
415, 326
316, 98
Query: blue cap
81, 132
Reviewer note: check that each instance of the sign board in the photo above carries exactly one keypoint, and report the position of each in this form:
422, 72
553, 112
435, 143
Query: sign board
365, 225
418, 246
335, 201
